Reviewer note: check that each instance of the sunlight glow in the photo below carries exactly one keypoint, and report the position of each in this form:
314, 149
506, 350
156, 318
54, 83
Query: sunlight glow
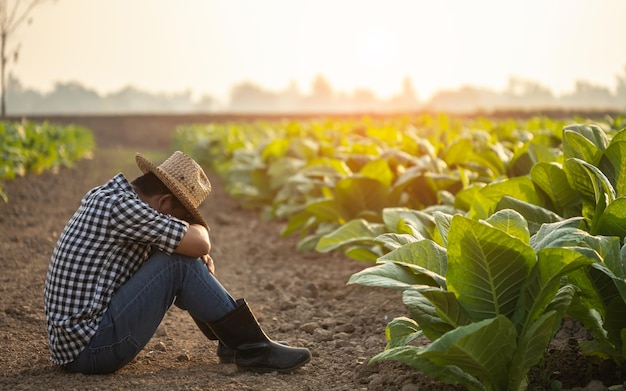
208, 46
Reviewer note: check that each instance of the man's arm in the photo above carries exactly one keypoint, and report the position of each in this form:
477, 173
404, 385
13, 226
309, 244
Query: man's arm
195, 243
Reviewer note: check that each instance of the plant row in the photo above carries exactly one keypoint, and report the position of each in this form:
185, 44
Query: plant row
29, 147
493, 231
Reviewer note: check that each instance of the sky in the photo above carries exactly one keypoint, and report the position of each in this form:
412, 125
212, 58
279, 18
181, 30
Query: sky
207, 46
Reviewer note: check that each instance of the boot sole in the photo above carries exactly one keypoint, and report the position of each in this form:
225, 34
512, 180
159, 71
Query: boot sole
267, 370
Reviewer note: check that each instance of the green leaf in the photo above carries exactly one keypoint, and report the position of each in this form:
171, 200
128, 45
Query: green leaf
401, 331
544, 282
586, 144
394, 218
486, 268
602, 185
510, 222
590, 293
425, 314
448, 307
491, 160
559, 234
354, 231
423, 257
614, 166
599, 349
327, 210
281, 170
613, 221
590, 318
465, 198
608, 285
363, 253
408, 228
275, 149
615, 324
326, 167
303, 148
534, 215
562, 302
308, 243
442, 222
389, 275
459, 151
609, 251
583, 177
485, 200
483, 349
296, 222
355, 195
450, 374
522, 161
378, 170
415, 172
394, 241
583, 142
551, 178
531, 347
444, 181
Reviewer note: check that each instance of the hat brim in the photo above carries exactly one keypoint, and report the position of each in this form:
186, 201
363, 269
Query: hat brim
146, 166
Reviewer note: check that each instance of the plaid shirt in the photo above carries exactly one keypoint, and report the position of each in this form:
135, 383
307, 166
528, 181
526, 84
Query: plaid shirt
111, 234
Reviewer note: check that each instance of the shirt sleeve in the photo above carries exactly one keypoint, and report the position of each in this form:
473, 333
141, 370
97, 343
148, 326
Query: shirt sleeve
134, 221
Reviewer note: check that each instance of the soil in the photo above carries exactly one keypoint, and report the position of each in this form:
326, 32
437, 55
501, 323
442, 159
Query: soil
301, 298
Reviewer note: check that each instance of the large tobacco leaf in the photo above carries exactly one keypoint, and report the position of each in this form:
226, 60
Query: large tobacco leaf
486, 268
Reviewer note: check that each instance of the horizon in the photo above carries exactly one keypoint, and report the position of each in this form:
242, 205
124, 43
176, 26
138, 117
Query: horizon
335, 91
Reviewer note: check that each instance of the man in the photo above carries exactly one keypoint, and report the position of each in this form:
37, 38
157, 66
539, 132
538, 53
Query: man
132, 250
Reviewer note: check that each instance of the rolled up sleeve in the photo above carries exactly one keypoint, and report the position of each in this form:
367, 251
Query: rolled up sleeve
134, 221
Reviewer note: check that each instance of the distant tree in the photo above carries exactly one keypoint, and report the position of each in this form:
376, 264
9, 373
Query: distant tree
322, 95
71, 97
406, 100
620, 92
10, 19
322, 88
527, 94
588, 96
528, 89
289, 99
250, 97
23, 100
365, 100
205, 104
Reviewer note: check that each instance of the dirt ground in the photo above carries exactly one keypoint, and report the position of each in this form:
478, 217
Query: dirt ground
301, 298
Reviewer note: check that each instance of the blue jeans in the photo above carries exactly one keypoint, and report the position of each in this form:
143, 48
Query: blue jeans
137, 308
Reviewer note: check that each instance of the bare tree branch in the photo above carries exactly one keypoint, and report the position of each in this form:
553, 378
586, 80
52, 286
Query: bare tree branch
13, 23
8, 25
3, 14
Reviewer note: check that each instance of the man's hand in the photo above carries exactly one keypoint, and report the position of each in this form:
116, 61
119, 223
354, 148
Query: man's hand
208, 261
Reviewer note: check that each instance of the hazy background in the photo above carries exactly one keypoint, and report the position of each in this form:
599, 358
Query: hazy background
93, 56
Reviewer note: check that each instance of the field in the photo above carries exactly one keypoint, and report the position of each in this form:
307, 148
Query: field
301, 298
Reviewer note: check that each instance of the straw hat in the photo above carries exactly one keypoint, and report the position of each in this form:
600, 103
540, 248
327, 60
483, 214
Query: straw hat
184, 177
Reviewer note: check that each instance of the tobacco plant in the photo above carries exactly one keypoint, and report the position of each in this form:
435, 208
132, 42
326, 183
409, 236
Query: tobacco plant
600, 300
489, 228
489, 302
29, 147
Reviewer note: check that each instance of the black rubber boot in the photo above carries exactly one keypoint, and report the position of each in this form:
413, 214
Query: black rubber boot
225, 355
240, 331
